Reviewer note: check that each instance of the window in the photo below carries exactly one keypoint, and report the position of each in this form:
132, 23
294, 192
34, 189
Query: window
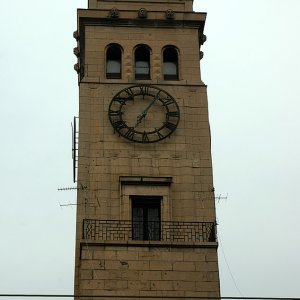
146, 218
170, 63
113, 62
142, 62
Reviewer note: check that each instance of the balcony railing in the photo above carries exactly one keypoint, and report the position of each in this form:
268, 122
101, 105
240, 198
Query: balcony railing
119, 230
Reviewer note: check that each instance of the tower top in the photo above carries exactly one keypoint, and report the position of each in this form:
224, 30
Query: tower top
152, 5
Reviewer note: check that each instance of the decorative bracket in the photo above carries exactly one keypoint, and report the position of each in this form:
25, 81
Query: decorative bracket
114, 13
203, 39
170, 14
76, 51
77, 68
76, 35
142, 13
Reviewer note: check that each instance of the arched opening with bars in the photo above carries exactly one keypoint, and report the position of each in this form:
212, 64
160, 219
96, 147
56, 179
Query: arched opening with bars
170, 63
114, 61
142, 62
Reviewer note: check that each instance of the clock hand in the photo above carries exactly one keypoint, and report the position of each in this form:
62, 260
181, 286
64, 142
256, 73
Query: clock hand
143, 114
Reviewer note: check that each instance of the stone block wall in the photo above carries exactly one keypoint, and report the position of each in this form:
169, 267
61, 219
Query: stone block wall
144, 271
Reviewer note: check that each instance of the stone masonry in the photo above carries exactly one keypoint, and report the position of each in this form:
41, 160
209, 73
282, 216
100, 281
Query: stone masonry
183, 263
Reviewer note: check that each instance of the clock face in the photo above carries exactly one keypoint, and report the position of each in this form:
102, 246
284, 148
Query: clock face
144, 114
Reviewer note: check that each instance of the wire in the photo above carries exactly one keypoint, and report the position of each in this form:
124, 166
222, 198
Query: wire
239, 291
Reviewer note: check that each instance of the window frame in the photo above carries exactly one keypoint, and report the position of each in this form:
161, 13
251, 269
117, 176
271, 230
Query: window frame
170, 60
142, 76
146, 230
113, 75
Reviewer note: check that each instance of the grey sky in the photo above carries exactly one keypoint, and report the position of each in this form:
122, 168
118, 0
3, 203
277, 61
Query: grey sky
251, 64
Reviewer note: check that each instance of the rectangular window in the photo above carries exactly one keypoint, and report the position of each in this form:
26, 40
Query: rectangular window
146, 218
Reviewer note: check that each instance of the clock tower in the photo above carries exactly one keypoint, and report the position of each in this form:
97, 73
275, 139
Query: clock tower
146, 224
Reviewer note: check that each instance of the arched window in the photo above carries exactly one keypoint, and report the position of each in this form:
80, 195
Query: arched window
113, 62
142, 62
170, 63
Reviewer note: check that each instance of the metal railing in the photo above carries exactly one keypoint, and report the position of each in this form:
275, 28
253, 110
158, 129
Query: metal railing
123, 230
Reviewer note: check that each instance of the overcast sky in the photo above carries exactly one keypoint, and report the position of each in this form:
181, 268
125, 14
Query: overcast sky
251, 64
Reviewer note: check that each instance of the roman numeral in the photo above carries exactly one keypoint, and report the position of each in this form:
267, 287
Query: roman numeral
144, 89
129, 133
130, 93
114, 113
168, 101
159, 134
121, 100
174, 114
119, 124
145, 137
170, 126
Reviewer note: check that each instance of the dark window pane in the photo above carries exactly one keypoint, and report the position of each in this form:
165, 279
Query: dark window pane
153, 223
137, 223
142, 63
113, 62
170, 64
146, 218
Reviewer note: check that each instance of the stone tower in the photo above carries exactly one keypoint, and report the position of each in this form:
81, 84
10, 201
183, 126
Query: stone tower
146, 214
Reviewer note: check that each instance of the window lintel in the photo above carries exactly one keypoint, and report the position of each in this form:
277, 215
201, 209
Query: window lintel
145, 180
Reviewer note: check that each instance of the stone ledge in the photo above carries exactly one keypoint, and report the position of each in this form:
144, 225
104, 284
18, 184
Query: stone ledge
160, 244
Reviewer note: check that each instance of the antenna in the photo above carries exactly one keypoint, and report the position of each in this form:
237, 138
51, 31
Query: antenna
82, 187
75, 140
72, 188
220, 197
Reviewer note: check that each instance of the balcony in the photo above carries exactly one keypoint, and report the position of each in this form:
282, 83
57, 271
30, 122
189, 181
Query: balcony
168, 232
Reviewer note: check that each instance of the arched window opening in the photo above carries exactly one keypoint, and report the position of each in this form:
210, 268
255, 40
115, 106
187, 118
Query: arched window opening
113, 62
142, 62
170, 63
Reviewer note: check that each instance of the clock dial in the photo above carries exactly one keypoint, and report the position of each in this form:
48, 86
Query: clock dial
144, 114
